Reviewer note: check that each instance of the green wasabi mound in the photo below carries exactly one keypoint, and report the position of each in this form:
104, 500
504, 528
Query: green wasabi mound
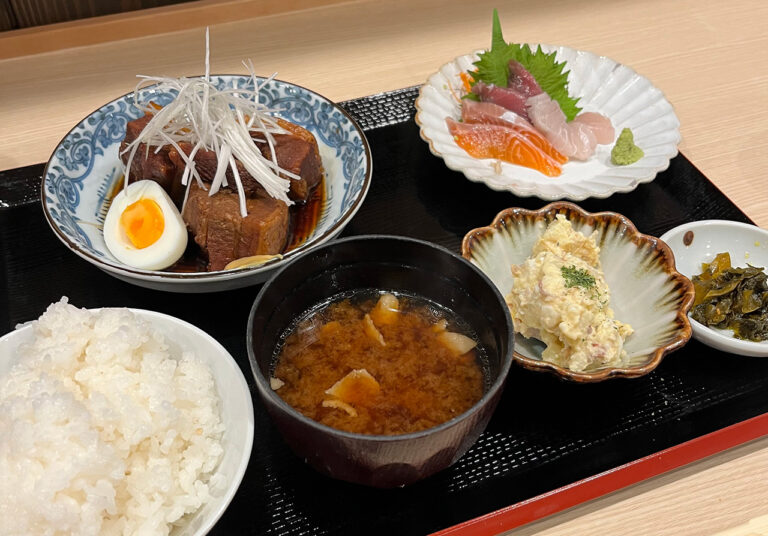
625, 151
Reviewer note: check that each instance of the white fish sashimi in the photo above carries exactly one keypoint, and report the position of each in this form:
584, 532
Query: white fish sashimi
577, 139
583, 139
573, 140
601, 126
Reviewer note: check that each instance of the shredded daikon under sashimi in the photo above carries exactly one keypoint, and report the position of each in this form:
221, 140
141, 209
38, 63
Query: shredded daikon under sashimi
226, 121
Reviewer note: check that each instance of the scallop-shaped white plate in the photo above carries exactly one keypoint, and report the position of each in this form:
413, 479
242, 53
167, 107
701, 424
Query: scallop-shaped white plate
603, 86
646, 290
699, 241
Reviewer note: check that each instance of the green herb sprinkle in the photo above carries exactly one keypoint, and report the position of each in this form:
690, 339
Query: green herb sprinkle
575, 277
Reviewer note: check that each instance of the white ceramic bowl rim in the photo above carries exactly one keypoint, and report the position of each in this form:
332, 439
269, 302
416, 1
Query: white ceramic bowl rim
702, 332
226, 498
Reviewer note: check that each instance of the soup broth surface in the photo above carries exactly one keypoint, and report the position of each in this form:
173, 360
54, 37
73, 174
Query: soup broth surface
380, 363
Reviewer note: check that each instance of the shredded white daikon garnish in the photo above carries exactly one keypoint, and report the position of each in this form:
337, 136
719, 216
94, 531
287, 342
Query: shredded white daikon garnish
226, 121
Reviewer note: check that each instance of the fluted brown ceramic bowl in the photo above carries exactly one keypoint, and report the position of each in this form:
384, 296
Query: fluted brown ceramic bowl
647, 291
386, 263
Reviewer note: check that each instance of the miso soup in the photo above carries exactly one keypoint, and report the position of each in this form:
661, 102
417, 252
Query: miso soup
380, 363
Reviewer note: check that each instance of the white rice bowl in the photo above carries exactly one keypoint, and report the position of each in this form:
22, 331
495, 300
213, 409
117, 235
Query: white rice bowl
103, 430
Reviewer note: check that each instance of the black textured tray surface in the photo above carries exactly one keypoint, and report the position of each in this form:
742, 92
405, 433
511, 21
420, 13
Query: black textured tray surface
546, 433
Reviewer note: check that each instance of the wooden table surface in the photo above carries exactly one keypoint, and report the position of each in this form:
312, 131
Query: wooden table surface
709, 57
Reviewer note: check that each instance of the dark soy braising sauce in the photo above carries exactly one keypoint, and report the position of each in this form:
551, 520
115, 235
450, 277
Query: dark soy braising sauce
304, 218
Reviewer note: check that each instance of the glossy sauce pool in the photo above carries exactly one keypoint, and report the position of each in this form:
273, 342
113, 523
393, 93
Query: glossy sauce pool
421, 382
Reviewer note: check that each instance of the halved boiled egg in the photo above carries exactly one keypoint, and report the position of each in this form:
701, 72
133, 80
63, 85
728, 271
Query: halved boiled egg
143, 228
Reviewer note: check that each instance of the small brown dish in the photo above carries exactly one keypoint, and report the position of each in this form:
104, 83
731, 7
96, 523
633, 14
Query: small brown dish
647, 292
399, 265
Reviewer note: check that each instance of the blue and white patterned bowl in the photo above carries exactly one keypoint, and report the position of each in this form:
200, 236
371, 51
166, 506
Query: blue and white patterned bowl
85, 167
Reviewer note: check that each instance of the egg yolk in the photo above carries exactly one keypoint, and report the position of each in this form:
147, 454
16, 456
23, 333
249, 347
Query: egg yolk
143, 223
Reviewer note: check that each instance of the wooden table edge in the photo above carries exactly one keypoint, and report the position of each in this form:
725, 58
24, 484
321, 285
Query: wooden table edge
601, 484
143, 23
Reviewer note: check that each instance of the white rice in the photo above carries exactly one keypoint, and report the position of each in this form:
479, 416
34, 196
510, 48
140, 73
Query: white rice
102, 430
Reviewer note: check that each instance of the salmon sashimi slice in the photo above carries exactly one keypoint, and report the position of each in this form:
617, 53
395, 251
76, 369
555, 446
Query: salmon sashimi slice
503, 143
493, 114
544, 146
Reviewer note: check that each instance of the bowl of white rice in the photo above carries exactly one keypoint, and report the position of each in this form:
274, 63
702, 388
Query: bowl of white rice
118, 421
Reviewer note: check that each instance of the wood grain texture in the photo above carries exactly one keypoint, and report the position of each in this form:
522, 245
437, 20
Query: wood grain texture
706, 497
140, 23
707, 56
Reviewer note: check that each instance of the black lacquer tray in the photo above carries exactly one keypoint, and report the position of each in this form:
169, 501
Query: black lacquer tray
545, 434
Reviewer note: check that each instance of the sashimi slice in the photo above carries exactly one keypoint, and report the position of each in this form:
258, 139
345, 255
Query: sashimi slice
503, 143
508, 98
493, 114
544, 146
522, 81
583, 139
574, 140
601, 126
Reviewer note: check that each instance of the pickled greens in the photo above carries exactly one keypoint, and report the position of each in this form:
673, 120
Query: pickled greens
732, 298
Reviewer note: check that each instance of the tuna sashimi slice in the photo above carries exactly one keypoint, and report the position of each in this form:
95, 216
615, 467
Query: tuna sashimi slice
572, 139
508, 98
493, 114
503, 143
522, 81
601, 126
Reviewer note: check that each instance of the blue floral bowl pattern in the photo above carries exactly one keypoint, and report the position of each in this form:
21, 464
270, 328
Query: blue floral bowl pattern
85, 170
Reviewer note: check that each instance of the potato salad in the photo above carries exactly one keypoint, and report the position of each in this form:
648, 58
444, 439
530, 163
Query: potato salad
560, 297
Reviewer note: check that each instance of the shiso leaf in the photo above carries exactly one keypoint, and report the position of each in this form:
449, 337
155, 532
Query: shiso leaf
493, 65
493, 68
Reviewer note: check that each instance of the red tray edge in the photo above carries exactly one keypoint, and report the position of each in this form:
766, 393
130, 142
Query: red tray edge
612, 480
